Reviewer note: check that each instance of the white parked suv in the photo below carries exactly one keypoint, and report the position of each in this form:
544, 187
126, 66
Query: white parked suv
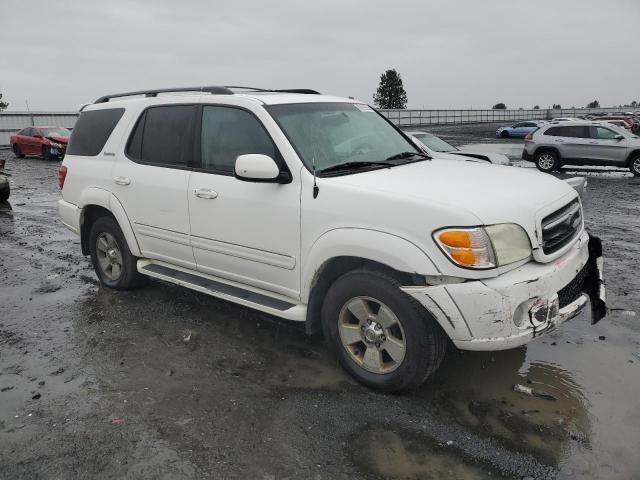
317, 209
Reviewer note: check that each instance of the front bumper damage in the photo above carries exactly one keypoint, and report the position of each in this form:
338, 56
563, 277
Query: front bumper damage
525, 303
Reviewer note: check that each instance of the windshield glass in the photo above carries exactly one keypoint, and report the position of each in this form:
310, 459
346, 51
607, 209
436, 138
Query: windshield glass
338, 133
434, 143
55, 132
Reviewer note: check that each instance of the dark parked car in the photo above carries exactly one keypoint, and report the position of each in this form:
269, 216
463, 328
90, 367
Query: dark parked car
5, 189
43, 142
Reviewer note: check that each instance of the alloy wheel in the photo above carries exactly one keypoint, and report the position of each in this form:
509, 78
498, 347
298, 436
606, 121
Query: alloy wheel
372, 335
546, 161
109, 256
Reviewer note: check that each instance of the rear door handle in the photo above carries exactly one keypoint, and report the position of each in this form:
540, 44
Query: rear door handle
205, 193
122, 181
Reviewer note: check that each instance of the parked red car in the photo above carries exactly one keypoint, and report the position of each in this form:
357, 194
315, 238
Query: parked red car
43, 142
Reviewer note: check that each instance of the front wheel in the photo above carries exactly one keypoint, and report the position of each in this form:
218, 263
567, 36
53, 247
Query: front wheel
112, 260
17, 152
547, 161
504, 134
46, 153
383, 338
634, 165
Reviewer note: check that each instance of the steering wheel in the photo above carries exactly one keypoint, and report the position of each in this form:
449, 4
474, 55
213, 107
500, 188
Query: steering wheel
362, 148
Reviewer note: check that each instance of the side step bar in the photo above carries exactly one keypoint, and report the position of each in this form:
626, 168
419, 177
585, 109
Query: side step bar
200, 283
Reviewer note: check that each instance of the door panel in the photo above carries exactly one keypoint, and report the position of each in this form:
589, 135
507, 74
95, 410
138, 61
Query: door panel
152, 184
608, 149
243, 231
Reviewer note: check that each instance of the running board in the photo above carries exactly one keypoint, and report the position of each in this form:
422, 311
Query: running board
225, 291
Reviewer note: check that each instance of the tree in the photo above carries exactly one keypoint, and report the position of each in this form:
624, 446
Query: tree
536, 107
390, 93
3, 105
500, 106
557, 106
594, 104
634, 104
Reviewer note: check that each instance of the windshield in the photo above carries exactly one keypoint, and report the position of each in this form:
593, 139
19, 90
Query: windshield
55, 132
338, 133
434, 143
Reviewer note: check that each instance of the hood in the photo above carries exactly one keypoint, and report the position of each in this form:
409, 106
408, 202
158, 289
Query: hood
57, 139
491, 193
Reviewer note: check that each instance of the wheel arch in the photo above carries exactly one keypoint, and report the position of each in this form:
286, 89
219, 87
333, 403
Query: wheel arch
105, 204
343, 250
546, 148
633, 154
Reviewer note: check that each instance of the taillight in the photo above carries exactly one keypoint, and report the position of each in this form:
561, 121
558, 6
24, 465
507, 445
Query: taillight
530, 134
62, 174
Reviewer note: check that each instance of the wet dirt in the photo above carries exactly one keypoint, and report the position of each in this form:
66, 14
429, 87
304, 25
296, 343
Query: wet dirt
124, 394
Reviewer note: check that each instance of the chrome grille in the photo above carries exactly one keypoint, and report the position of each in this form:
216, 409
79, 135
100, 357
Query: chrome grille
562, 226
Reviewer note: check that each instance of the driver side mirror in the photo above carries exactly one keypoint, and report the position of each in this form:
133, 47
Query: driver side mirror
619, 137
255, 167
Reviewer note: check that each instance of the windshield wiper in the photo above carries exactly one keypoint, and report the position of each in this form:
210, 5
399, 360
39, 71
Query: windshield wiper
354, 165
403, 155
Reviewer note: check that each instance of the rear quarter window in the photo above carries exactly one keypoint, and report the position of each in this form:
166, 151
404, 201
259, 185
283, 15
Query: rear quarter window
92, 130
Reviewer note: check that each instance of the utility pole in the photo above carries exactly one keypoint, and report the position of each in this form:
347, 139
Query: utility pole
30, 114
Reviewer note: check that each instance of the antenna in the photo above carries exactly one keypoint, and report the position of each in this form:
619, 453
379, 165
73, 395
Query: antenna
315, 185
33, 124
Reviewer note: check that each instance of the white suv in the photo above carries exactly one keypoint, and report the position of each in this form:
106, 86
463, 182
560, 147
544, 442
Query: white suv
317, 209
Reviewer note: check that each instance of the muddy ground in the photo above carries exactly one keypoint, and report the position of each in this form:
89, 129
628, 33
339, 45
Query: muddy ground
96, 383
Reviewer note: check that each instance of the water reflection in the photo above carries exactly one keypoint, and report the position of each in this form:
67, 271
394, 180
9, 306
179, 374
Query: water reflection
477, 389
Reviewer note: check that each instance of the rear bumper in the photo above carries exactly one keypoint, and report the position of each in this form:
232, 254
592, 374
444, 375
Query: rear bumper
70, 215
527, 156
516, 307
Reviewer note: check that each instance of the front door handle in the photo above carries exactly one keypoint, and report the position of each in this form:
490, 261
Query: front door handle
122, 181
206, 193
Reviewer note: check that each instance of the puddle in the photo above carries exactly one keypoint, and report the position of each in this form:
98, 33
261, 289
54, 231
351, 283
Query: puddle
396, 455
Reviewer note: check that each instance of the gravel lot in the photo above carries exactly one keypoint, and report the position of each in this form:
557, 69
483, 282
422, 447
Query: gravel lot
96, 383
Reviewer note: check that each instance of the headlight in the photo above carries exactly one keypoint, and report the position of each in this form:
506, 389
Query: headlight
56, 145
484, 247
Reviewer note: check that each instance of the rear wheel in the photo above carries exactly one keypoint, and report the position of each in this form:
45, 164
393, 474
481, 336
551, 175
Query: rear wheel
112, 260
17, 152
547, 161
383, 338
634, 165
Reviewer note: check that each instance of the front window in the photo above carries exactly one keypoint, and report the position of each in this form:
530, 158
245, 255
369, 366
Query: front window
55, 132
331, 134
434, 143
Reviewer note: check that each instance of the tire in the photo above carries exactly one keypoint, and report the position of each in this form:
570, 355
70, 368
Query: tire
112, 260
634, 165
4, 193
405, 322
504, 134
46, 153
17, 152
547, 161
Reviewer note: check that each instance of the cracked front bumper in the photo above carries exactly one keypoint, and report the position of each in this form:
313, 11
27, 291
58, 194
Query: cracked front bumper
514, 308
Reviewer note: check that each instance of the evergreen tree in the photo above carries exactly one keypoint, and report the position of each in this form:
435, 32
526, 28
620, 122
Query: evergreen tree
390, 93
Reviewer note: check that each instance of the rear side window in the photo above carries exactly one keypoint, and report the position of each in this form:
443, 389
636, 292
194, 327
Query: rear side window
554, 131
92, 130
576, 132
163, 135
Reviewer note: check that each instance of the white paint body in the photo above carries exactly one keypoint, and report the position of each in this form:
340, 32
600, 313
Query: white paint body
273, 238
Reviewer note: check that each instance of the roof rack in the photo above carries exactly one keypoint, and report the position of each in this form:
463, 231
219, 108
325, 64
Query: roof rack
306, 91
154, 93
215, 90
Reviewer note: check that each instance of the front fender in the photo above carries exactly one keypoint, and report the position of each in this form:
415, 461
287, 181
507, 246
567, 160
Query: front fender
381, 247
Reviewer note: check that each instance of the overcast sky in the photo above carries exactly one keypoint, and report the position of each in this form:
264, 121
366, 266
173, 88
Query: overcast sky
451, 54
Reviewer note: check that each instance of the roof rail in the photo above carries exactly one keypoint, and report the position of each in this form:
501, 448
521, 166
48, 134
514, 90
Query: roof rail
307, 91
154, 93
